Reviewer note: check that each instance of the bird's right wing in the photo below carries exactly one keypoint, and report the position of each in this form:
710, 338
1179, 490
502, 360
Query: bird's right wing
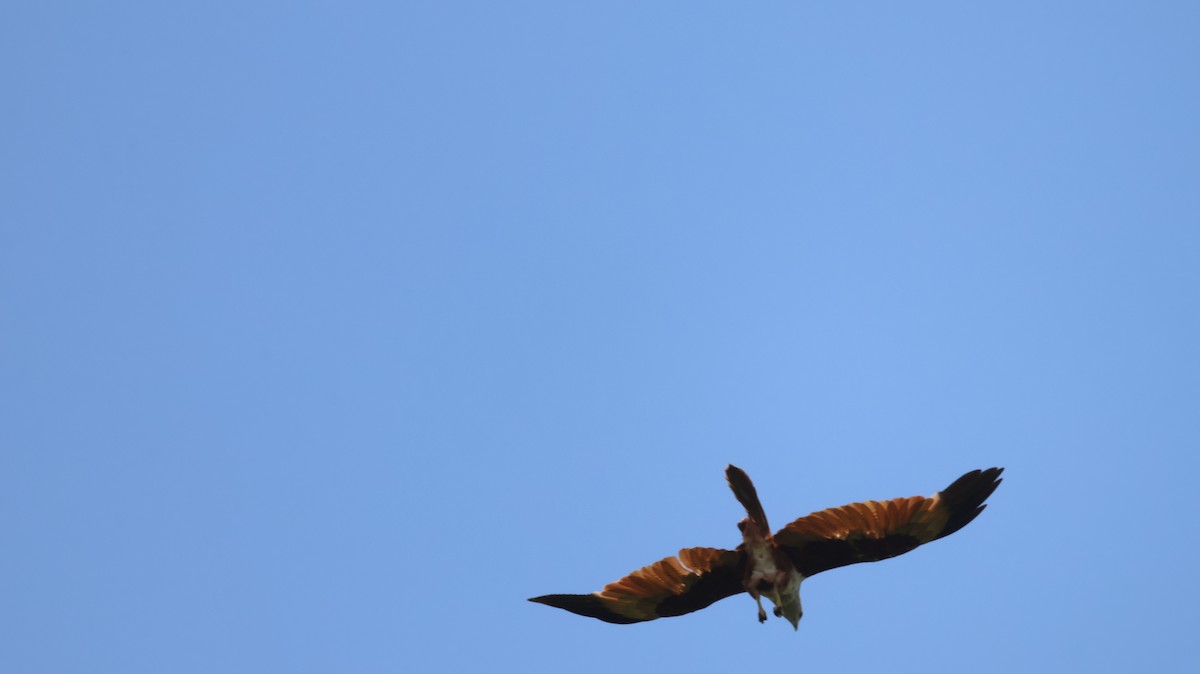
874, 530
670, 587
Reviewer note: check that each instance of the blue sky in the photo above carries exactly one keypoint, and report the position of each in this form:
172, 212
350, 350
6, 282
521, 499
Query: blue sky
333, 331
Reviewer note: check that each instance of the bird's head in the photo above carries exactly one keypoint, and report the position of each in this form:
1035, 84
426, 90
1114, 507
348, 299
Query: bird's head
787, 605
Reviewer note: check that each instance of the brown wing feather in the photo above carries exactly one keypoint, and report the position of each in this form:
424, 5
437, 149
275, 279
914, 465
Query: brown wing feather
875, 530
669, 587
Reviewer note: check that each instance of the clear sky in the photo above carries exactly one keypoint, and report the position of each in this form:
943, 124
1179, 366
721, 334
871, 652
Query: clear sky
332, 331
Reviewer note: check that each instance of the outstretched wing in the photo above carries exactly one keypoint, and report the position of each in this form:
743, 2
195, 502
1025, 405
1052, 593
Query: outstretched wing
670, 587
875, 530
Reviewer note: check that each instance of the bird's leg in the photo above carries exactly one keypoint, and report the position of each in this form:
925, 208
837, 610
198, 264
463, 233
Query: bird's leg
762, 614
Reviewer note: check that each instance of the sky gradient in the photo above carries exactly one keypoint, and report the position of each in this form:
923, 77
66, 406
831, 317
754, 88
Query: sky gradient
331, 332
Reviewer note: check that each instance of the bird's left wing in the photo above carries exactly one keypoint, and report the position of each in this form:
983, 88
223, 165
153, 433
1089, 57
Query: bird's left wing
670, 587
873, 530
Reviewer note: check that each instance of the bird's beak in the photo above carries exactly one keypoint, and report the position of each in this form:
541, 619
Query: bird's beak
792, 611
787, 606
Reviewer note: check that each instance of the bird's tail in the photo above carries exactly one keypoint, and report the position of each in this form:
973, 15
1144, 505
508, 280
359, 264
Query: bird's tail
744, 490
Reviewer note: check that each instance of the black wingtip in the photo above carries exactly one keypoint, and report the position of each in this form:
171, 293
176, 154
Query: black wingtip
965, 497
587, 605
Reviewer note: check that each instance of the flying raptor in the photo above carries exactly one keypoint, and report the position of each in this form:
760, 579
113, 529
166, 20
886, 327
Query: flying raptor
774, 565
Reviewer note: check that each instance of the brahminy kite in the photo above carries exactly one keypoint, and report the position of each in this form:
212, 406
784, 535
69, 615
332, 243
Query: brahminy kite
774, 565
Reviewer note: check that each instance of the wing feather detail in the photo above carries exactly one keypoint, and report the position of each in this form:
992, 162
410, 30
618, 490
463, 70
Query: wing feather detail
669, 587
870, 531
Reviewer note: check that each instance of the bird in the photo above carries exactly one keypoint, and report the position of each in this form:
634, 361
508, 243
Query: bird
774, 565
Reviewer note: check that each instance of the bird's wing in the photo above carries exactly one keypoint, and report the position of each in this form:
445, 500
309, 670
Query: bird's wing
875, 530
670, 587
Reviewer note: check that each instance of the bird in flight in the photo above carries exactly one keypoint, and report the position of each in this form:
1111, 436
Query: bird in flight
773, 566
